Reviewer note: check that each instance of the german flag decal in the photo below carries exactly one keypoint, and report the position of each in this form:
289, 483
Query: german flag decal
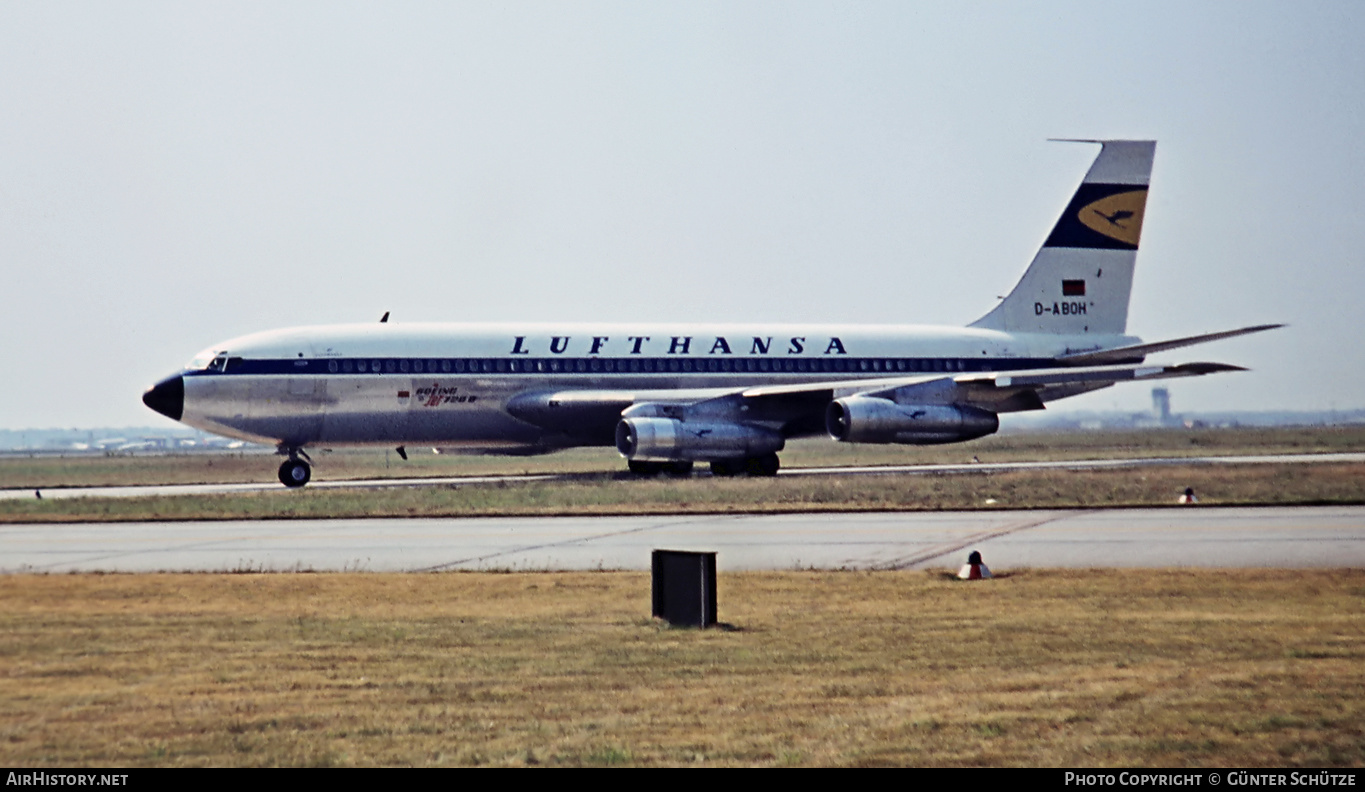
1101, 216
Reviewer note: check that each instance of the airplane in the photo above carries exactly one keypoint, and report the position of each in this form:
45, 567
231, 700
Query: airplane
731, 395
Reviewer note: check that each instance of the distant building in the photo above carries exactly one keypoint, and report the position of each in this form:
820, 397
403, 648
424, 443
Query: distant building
1161, 405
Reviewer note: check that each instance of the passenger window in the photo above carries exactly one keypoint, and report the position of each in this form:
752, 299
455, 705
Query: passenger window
332, 366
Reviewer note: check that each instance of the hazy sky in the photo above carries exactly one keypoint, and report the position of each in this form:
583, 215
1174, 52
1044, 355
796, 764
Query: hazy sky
174, 174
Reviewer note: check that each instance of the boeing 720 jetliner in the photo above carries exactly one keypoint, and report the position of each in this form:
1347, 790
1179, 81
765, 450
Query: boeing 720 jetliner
670, 395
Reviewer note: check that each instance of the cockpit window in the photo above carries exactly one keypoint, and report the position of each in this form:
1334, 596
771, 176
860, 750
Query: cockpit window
213, 360
202, 360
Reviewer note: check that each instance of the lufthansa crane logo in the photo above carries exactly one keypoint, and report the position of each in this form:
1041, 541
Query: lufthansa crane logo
1118, 216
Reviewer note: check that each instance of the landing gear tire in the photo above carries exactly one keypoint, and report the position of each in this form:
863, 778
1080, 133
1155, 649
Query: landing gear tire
642, 468
294, 473
765, 465
679, 469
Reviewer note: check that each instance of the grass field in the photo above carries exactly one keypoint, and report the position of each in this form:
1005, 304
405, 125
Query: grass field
1053, 668
47, 472
599, 486
1159, 486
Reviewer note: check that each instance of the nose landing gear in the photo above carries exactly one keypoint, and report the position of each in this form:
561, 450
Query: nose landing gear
295, 472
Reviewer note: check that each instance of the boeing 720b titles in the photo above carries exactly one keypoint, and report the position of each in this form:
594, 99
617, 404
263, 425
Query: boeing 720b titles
670, 395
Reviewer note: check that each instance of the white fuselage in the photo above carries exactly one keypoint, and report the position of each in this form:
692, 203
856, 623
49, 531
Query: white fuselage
448, 385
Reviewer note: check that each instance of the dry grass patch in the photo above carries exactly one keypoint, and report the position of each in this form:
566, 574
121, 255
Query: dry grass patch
1136, 667
1321, 483
91, 470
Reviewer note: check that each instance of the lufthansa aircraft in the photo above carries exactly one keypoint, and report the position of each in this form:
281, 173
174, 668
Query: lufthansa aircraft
669, 395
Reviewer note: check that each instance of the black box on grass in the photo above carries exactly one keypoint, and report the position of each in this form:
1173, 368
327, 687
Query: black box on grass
685, 587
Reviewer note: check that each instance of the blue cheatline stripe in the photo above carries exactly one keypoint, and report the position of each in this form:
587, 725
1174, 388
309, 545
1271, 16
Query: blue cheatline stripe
840, 365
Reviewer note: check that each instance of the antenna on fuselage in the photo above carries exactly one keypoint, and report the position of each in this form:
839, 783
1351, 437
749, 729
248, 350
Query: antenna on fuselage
384, 318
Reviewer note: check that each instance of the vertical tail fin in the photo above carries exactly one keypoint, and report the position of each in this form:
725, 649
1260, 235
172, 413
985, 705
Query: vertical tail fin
1080, 280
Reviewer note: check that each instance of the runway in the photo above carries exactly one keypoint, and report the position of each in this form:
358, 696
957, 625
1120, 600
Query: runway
1195, 537
457, 481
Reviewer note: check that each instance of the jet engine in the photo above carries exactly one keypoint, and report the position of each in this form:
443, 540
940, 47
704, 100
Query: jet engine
867, 419
666, 439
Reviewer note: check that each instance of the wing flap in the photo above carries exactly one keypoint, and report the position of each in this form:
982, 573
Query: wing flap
999, 391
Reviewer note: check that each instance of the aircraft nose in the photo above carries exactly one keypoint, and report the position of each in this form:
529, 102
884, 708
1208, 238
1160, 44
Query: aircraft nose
167, 397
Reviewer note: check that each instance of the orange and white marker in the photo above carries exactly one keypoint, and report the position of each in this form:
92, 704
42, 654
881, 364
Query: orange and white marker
974, 569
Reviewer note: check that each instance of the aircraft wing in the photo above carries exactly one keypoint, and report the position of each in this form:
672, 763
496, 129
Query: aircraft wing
996, 391
799, 409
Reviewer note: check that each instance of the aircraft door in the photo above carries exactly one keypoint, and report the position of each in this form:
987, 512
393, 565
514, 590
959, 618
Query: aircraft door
288, 407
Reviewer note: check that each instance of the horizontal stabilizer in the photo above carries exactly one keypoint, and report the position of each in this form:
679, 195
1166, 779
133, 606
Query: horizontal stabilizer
1135, 352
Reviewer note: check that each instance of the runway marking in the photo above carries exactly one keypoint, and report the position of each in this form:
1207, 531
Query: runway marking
189, 545
564, 543
977, 538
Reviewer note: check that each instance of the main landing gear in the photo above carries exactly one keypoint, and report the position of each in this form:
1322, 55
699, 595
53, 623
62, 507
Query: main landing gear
642, 468
295, 472
762, 465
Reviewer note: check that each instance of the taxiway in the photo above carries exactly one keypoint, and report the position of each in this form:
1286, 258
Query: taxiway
1195, 537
